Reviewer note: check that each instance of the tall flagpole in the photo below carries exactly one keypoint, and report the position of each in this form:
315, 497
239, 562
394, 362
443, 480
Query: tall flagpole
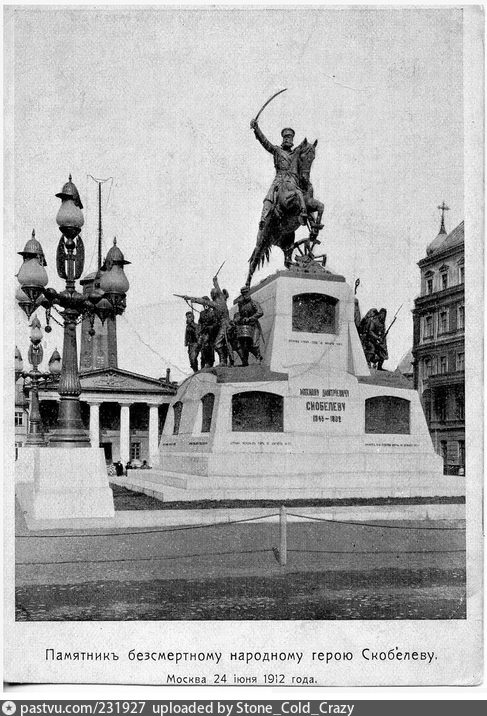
100, 230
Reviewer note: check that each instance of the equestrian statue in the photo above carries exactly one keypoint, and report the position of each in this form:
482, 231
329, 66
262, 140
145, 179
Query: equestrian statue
290, 201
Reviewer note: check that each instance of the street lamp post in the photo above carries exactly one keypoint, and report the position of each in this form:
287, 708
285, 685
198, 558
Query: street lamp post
108, 300
34, 378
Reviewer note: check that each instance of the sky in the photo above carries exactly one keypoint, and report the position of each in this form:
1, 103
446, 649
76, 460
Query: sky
160, 100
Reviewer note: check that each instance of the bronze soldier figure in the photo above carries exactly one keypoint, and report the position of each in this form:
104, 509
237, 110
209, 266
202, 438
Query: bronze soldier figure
207, 330
191, 340
366, 338
222, 343
372, 333
248, 326
218, 304
381, 333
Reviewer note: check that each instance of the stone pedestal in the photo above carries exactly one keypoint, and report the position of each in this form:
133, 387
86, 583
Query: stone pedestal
311, 421
66, 484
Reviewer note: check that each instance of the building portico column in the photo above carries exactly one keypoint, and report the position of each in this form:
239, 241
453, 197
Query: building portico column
94, 424
153, 434
125, 432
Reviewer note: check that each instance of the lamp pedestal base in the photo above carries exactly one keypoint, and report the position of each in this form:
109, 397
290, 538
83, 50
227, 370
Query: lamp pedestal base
70, 432
67, 484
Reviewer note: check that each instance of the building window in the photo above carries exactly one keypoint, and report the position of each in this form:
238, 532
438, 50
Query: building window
444, 280
314, 313
19, 418
258, 412
17, 446
443, 364
443, 322
460, 361
427, 367
178, 409
428, 281
440, 406
461, 317
428, 327
461, 274
387, 414
460, 405
207, 402
461, 452
135, 451
444, 452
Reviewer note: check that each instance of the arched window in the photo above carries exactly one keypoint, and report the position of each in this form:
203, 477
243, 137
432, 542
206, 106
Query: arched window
429, 276
178, 409
207, 402
387, 414
315, 313
258, 412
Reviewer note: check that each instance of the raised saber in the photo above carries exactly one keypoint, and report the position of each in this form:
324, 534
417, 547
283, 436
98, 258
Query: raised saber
269, 100
220, 268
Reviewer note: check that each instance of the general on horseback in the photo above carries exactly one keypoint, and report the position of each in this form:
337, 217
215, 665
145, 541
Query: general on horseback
290, 202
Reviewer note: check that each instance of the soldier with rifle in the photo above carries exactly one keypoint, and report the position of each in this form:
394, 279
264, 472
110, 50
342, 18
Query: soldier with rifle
379, 336
373, 334
207, 325
221, 320
248, 326
191, 340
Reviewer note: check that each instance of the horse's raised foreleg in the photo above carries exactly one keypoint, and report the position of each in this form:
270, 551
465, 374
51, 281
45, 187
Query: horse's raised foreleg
320, 207
315, 206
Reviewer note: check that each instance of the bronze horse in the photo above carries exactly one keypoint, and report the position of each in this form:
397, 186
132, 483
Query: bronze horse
282, 222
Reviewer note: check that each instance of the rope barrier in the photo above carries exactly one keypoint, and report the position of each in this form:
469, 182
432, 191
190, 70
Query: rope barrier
155, 531
380, 551
370, 524
248, 551
236, 522
143, 559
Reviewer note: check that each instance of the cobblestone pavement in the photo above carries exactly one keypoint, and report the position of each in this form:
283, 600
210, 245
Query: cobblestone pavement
334, 571
380, 594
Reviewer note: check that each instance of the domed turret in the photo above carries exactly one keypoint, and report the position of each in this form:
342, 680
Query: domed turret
436, 243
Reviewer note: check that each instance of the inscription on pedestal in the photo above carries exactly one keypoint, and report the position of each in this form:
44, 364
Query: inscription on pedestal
325, 410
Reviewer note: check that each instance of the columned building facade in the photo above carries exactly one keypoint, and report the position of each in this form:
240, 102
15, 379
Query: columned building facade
439, 345
124, 412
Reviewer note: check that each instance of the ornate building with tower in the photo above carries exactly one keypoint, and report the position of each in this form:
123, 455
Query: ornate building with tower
121, 411
439, 344
124, 412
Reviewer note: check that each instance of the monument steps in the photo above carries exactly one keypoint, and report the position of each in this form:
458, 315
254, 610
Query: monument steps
169, 489
281, 465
